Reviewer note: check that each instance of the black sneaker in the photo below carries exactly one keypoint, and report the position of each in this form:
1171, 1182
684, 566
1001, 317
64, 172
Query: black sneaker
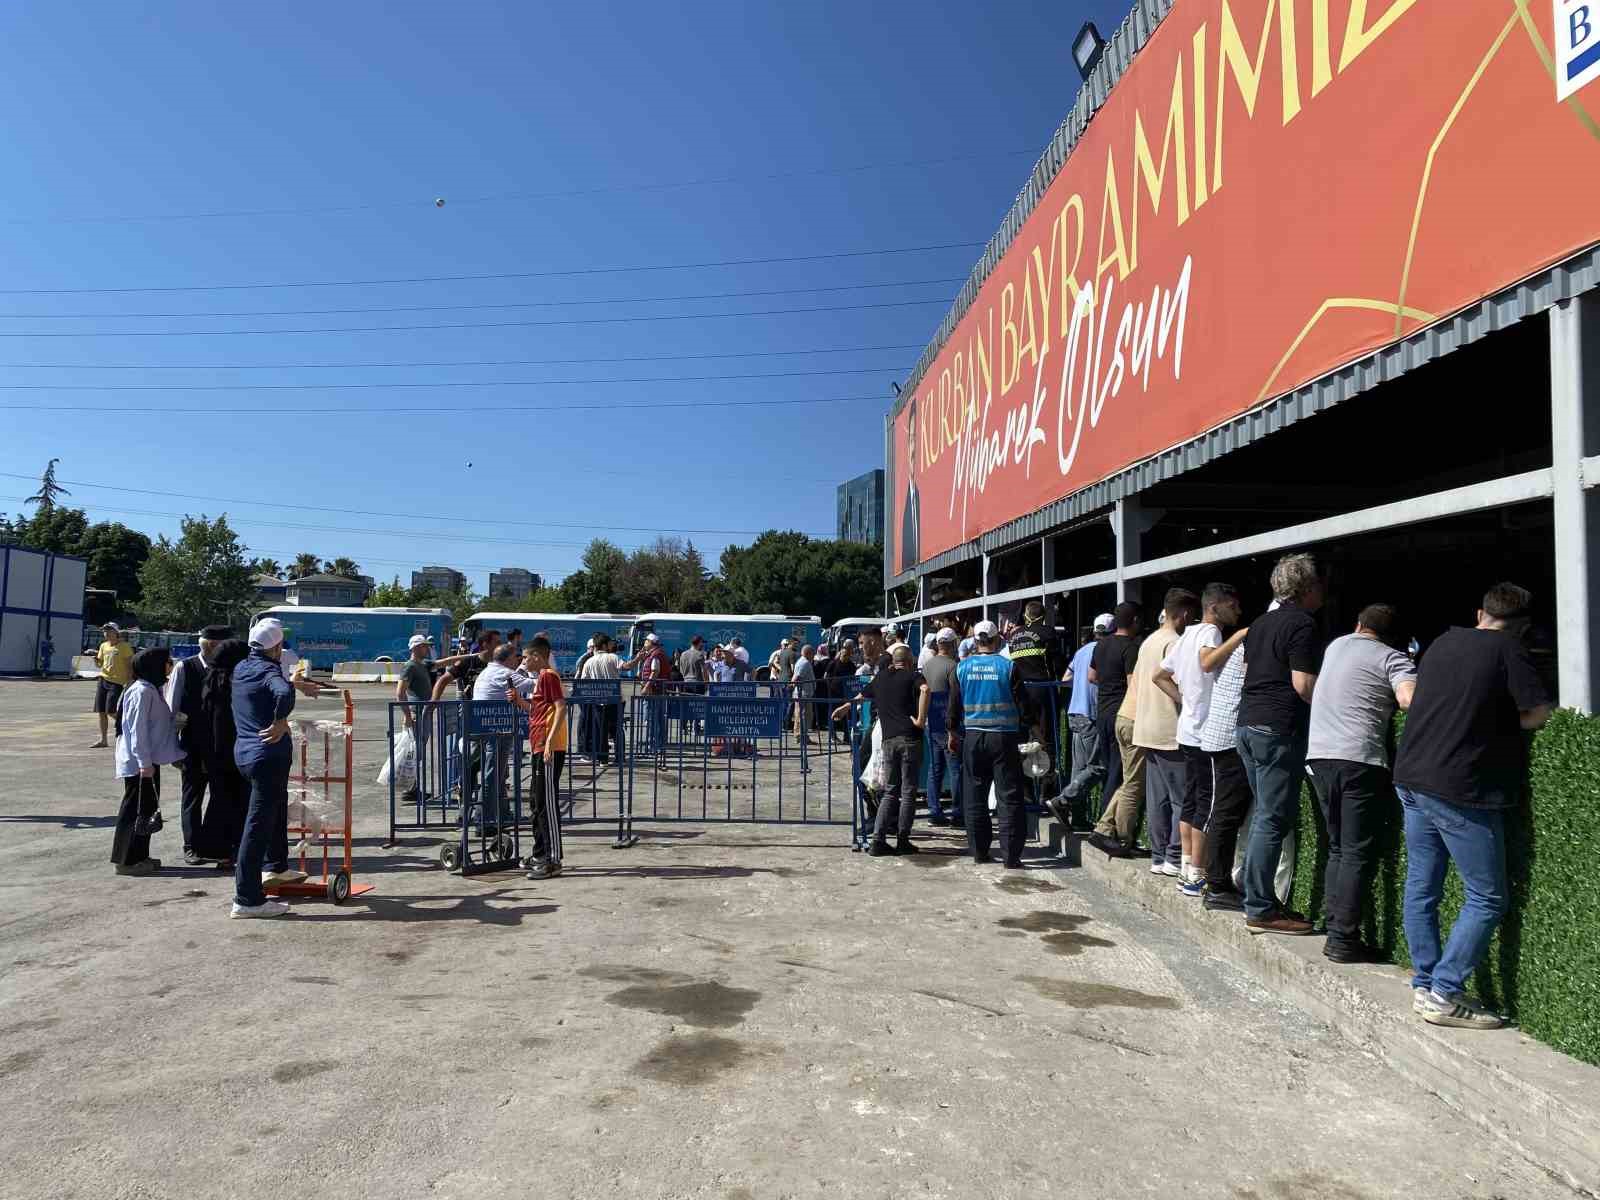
1361, 952
193, 859
980, 859
1221, 901
545, 870
906, 846
880, 850
940, 821
1058, 808
1107, 845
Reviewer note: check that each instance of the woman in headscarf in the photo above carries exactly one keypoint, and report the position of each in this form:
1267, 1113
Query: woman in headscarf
223, 824
146, 741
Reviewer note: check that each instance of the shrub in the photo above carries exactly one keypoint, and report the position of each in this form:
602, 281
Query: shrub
1543, 967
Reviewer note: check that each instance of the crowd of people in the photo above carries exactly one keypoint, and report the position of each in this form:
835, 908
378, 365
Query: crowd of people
221, 717
1201, 731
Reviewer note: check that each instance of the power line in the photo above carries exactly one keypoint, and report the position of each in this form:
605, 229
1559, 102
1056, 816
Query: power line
505, 197
567, 272
405, 308
359, 512
350, 531
634, 320
324, 410
450, 383
474, 362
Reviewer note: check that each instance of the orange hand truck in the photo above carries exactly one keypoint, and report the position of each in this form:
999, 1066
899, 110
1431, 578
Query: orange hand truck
314, 831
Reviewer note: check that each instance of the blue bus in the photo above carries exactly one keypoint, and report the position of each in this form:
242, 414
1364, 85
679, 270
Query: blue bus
759, 633
569, 633
325, 636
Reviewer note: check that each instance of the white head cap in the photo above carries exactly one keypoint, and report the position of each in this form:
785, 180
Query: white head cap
985, 631
417, 639
266, 633
591, 644
1105, 623
946, 634
927, 639
650, 637
888, 630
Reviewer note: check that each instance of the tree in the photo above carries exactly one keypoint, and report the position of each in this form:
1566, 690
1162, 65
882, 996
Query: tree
344, 568
56, 529
49, 489
789, 572
594, 587
115, 554
303, 565
199, 579
668, 576
267, 566
390, 595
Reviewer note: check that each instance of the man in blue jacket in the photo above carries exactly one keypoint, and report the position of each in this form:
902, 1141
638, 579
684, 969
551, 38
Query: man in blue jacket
983, 724
262, 702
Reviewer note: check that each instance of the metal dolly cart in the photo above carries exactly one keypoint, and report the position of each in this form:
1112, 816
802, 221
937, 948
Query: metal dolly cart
334, 882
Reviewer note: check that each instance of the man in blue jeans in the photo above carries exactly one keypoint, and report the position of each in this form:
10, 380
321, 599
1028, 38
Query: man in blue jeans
1463, 762
262, 702
944, 767
1283, 652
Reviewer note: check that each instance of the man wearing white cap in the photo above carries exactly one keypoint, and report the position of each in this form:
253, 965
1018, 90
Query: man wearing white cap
652, 663
262, 702
929, 649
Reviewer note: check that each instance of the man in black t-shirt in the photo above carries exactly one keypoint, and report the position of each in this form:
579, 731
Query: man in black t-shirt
1110, 668
1283, 652
900, 703
1463, 762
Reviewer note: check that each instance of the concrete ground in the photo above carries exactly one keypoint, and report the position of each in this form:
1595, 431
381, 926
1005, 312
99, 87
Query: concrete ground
723, 1011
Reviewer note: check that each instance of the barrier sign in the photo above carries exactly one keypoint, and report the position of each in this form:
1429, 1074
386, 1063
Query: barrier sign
487, 717
745, 689
853, 685
744, 720
595, 691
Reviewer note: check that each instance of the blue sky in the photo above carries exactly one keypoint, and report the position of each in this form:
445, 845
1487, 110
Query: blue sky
558, 136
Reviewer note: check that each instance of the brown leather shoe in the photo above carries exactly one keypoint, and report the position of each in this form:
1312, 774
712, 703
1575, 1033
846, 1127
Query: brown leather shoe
1278, 922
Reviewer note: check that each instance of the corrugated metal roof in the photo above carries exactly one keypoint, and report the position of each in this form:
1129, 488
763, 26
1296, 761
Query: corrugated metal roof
1534, 295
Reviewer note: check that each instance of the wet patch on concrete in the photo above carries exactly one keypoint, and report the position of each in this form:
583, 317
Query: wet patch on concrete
1022, 885
1079, 994
533, 1043
621, 974
1302, 1185
691, 1061
667, 902
31, 1026
709, 1005
15, 1064
1011, 933
294, 1072
397, 957
608, 1100
1067, 944
934, 858
1044, 922
320, 980
191, 945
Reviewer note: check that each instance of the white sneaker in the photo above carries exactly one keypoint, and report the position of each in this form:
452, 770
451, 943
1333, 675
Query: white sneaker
1419, 1000
1155, 869
290, 876
1170, 869
268, 908
1459, 1012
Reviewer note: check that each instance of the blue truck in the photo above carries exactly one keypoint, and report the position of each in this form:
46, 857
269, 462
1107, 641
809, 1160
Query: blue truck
759, 633
325, 636
569, 633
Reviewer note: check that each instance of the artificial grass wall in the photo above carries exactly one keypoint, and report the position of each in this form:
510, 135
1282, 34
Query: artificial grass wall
1543, 967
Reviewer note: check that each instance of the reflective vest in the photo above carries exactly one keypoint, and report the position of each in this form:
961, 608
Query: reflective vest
986, 703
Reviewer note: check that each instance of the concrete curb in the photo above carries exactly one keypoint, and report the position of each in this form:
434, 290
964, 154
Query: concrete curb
1540, 1102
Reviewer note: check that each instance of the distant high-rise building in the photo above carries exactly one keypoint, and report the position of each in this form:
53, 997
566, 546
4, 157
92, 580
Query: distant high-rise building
515, 582
861, 509
440, 579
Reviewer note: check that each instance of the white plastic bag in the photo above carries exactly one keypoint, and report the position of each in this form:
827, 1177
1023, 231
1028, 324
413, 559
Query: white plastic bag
402, 762
875, 775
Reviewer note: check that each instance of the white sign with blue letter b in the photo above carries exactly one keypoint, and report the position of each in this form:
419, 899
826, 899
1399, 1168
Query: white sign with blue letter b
1577, 45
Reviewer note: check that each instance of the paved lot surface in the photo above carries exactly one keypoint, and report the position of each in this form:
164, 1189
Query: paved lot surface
721, 1011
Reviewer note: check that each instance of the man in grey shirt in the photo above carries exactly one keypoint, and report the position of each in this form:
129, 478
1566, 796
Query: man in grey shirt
1362, 681
945, 766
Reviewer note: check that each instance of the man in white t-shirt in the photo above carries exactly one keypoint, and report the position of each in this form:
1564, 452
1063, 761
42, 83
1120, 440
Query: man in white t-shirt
1188, 674
604, 663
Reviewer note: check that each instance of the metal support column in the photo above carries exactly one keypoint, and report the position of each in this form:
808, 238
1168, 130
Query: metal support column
1575, 435
1130, 521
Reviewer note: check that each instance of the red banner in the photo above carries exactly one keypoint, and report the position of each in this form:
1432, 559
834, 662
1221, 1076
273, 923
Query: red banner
1276, 188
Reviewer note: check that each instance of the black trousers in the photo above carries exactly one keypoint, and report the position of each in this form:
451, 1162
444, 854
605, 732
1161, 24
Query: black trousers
1230, 804
1353, 797
544, 808
1110, 758
992, 758
195, 778
140, 798
222, 827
